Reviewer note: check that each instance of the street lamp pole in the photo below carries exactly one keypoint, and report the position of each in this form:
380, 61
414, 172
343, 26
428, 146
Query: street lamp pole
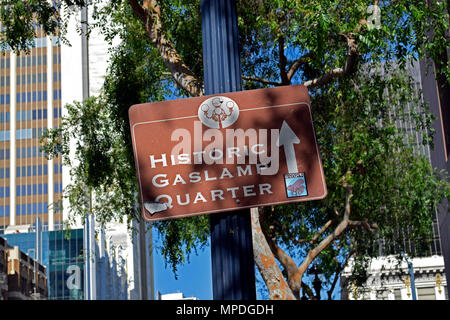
233, 273
317, 284
411, 276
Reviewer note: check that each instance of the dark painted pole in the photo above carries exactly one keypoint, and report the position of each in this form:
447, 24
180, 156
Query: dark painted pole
233, 273
411, 276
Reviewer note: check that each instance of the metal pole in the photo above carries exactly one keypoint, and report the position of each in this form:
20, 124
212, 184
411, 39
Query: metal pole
143, 260
86, 253
411, 276
38, 251
102, 262
91, 270
93, 259
233, 273
84, 52
149, 255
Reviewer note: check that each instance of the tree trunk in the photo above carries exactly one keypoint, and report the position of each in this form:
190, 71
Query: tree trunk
266, 263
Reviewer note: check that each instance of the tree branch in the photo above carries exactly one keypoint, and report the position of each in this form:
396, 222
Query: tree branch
325, 242
364, 224
308, 291
137, 9
338, 271
285, 260
352, 53
150, 16
265, 261
282, 61
320, 232
297, 63
286, 76
264, 81
316, 236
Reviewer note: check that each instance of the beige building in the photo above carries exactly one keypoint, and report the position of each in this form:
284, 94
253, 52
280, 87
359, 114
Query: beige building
30, 103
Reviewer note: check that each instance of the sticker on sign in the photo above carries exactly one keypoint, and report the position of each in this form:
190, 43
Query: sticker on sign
226, 152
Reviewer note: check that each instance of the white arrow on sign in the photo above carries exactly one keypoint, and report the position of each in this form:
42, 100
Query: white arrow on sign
287, 139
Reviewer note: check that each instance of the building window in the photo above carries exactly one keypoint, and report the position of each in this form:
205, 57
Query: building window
31, 78
32, 208
4, 81
56, 41
31, 114
57, 112
427, 293
56, 58
4, 135
27, 190
28, 171
4, 192
57, 207
58, 187
31, 96
28, 152
23, 134
4, 211
56, 76
25, 61
4, 117
32, 133
57, 94
4, 154
5, 63
4, 173
40, 42
5, 98
57, 168
397, 294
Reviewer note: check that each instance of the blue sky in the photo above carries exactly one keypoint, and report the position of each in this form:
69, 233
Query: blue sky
194, 277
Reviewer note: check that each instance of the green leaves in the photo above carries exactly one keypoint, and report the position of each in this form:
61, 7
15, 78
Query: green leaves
393, 186
19, 19
98, 161
355, 115
181, 238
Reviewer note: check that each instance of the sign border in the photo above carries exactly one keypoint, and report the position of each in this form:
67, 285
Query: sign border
146, 216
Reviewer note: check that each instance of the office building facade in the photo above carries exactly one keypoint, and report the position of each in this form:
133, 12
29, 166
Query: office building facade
62, 254
30, 103
34, 87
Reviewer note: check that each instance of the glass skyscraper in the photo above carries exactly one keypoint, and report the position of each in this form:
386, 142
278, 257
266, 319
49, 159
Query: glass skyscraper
30, 103
62, 254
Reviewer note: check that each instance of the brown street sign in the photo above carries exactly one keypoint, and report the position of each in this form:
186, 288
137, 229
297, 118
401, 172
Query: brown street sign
226, 152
